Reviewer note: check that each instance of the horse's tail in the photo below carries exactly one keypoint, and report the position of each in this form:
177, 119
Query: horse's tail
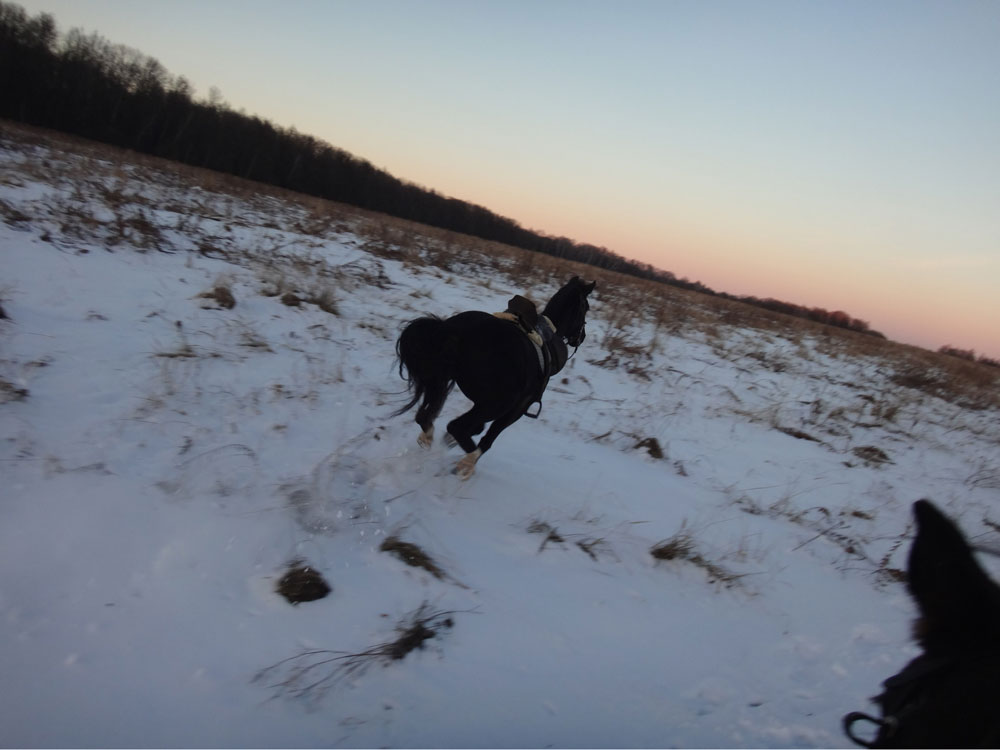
424, 351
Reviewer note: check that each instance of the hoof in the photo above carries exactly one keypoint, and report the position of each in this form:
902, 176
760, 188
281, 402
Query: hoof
426, 439
467, 466
449, 440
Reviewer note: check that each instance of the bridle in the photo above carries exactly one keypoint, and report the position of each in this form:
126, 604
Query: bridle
577, 340
886, 728
905, 694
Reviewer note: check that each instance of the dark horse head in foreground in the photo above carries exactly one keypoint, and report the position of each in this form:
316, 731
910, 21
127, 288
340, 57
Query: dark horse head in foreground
496, 364
949, 696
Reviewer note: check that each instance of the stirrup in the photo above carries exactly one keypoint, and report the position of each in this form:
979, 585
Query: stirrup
529, 415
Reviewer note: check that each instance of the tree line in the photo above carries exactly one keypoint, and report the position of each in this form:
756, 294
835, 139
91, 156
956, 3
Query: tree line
86, 85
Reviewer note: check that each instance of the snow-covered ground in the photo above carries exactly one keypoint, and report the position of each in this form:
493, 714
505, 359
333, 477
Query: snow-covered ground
164, 458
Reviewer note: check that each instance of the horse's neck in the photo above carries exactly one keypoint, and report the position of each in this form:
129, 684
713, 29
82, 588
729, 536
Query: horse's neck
556, 317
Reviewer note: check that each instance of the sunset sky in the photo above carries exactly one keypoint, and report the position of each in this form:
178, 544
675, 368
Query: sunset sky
843, 155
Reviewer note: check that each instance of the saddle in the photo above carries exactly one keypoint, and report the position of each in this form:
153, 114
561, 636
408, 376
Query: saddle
524, 310
551, 349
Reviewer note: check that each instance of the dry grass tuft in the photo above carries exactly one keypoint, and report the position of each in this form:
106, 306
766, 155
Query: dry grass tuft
872, 455
651, 445
550, 532
10, 392
323, 299
798, 434
222, 295
412, 555
13, 216
681, 547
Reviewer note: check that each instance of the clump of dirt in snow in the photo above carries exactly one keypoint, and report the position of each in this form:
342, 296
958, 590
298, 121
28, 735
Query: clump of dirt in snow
302, 583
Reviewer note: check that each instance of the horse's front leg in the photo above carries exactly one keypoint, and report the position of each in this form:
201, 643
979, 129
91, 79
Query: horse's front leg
467, 465
460, 430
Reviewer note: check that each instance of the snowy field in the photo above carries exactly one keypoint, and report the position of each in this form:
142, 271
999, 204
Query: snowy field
165, 457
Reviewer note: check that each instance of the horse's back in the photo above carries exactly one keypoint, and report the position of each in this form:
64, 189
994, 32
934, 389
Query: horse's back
473, 321
495, 359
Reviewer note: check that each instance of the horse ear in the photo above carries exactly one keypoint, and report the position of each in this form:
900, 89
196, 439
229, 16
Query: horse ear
590, 287
952, 591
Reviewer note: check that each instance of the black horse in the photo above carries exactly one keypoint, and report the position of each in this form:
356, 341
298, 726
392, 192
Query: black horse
500, 367
949, 696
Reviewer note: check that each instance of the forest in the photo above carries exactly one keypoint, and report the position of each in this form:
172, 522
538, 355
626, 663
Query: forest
86, 85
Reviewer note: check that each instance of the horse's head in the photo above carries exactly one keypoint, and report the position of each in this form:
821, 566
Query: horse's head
948, 696
568, 310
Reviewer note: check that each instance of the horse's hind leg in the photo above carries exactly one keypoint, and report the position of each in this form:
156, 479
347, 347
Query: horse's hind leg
429, 410
426, 438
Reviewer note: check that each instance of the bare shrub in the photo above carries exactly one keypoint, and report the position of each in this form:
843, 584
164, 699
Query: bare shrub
310, 675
